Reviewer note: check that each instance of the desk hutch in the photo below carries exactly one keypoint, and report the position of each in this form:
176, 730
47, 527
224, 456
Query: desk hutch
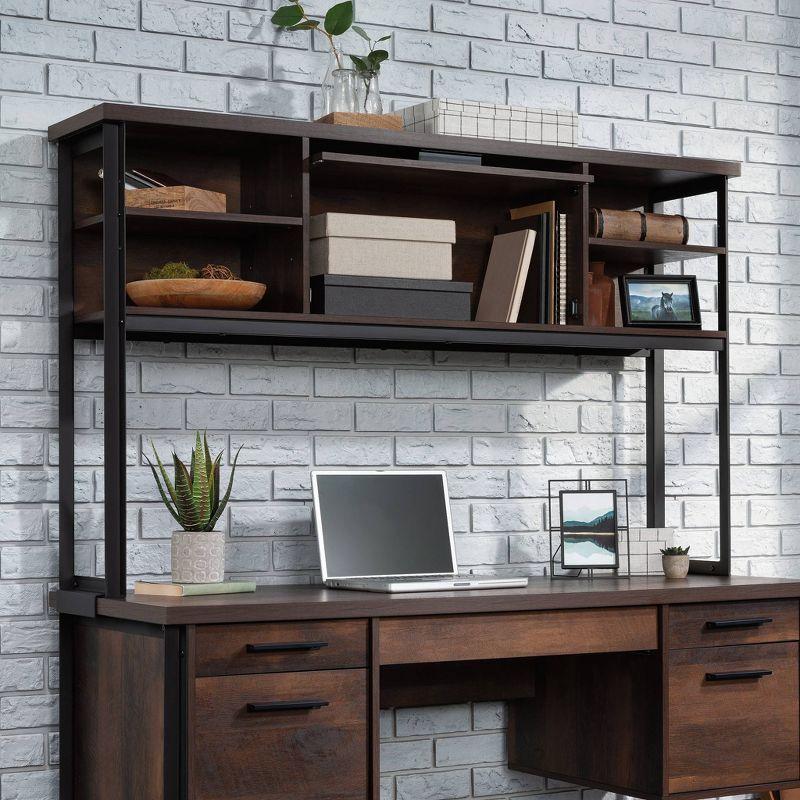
641, 686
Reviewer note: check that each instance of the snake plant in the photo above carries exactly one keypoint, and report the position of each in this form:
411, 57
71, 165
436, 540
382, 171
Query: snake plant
193, 498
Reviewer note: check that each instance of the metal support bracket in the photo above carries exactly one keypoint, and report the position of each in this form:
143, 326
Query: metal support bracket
78, 602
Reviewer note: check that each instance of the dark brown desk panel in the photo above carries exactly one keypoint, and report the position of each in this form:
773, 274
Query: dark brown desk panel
518, 635
119, 714
276, 603
280, 647
594, 720
728, 727
711, 624
278, 752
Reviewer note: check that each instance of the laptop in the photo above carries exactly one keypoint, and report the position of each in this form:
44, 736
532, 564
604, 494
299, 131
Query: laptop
382, 531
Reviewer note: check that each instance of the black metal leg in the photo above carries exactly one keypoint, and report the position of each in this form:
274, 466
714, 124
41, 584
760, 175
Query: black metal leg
722, 566
66, 367
723, 372
655, 449
114, 356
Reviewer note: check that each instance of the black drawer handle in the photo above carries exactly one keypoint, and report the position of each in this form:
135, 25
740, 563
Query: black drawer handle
286, 705
272, 647
726, 624
744, 675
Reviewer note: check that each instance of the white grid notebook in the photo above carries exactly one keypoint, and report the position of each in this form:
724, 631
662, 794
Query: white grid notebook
492, 121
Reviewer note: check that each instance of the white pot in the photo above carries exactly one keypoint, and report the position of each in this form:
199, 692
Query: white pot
675, 567
198, 556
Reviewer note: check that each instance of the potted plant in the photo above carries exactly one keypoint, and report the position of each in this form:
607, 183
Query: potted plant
675, 561
193, 499
339, 85
177, 285
368, 67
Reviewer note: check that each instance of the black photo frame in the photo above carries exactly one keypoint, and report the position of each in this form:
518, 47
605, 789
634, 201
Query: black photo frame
571, 535
635, 311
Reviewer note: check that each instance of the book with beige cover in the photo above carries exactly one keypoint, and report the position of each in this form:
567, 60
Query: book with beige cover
505, 277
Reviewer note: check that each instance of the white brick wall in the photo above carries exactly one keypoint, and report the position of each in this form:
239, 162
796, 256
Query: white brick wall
709, 77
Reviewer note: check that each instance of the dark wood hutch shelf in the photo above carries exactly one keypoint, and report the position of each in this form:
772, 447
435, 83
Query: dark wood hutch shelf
155, 220
261, 327
636, 255
275, 174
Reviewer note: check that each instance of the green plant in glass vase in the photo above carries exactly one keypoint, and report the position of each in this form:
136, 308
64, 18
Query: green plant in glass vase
368, 66
339, 84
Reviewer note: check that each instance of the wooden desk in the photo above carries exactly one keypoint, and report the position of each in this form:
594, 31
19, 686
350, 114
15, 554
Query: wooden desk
646, 687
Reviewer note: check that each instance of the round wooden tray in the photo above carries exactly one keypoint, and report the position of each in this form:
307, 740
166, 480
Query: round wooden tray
196, 293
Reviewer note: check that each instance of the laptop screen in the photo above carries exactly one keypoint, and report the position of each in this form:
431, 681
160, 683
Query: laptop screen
383, 524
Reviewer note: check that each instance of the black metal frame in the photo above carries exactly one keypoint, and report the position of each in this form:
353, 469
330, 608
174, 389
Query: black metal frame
109, 137
625, 283
586, 485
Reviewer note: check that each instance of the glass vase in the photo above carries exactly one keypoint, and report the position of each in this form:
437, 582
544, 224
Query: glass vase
369, 94
339, 89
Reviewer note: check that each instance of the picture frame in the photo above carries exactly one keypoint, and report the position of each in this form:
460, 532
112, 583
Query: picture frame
660, 301
589, 531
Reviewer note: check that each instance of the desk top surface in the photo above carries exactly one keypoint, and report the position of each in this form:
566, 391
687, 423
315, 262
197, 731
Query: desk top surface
275, 603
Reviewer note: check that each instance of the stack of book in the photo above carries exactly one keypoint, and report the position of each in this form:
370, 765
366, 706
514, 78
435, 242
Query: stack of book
526, 276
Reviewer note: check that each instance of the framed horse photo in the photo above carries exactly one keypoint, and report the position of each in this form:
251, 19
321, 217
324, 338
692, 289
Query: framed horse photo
659, 301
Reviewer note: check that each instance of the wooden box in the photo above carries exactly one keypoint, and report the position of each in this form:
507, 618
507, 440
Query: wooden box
183, 198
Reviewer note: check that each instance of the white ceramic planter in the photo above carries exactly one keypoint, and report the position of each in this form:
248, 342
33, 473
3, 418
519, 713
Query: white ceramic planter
675, 567
198, 556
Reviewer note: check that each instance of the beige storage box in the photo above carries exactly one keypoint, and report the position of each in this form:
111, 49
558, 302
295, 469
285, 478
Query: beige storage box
382, 247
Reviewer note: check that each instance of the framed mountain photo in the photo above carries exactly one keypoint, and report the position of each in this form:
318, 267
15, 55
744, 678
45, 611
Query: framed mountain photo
589, 529
659, 301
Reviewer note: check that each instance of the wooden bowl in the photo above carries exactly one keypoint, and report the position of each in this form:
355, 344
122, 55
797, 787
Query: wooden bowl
196, 293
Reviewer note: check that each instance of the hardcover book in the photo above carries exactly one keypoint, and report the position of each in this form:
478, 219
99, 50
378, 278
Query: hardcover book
160, 589
505, 277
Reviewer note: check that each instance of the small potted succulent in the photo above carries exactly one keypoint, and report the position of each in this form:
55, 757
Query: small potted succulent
675, 561
193, 499
177, 285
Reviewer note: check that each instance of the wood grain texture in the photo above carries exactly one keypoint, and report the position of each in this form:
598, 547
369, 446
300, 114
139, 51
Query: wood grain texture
118, 713
736, 732
411, 685
196, 293
387, 122
594, 720
492, 636
688, 625
276, 603
318, 754
186, 198
222, 649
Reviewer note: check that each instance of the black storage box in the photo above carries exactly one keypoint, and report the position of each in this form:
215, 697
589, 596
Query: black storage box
412, 298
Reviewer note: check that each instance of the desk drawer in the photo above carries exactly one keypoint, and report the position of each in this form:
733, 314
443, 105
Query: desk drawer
711, 624
413, 640
280, 647
733, 716
295, 736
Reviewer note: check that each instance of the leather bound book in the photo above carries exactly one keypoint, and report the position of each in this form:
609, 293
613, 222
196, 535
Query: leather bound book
505, 276
638, 226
